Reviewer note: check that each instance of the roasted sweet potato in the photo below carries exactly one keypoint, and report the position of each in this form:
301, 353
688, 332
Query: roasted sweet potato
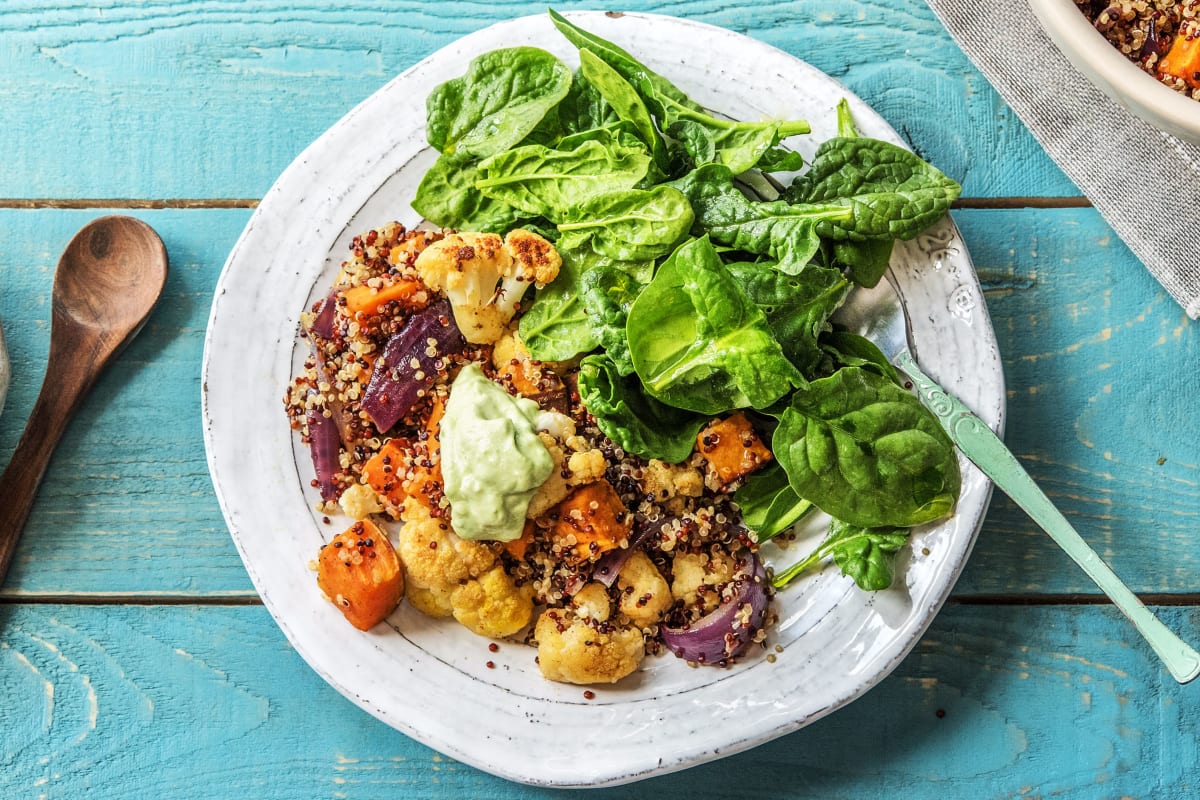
360, 573
732, 448
368, 299
1183, 61
590, 521
403, 468
387, 471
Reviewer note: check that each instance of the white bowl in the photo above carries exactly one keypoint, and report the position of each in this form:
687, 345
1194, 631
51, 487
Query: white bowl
1115, 75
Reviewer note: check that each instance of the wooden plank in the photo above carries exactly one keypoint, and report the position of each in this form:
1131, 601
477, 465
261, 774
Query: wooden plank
208, 100
1099, 364
1102, 386
127, 504
131, 702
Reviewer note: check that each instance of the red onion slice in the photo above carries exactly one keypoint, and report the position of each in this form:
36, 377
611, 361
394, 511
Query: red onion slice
408, 367
322, 324
724, 633
324, 445
609, 566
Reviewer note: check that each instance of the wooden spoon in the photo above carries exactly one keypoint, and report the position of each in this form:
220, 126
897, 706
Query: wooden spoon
108, 279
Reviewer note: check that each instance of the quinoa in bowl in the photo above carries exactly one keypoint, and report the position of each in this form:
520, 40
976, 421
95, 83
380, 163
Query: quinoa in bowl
1162, 37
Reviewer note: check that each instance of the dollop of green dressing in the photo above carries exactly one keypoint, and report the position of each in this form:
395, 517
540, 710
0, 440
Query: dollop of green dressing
492, 458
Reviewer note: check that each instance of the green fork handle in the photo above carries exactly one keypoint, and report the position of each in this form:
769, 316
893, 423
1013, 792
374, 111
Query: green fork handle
984, 448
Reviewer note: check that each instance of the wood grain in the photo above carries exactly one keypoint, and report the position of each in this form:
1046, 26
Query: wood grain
1086, 336
1013, 702
227, 94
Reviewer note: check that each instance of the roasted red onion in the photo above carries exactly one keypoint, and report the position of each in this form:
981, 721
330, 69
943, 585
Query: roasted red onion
609, 565
322, 324
411, 363
724, 633
324, 444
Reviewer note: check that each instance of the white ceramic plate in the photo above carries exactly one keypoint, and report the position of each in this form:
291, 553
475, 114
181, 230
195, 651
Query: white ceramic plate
428, 678
1114, 74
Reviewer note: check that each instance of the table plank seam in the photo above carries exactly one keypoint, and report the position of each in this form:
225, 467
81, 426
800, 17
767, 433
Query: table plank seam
21, 203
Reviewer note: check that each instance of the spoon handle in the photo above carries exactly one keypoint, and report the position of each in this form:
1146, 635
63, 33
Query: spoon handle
56, 403
984, 448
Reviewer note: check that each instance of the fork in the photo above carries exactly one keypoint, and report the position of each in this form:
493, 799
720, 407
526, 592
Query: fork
880, 315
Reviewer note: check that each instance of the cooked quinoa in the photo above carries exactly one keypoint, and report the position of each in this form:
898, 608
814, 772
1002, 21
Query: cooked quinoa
1157, 35
694, 540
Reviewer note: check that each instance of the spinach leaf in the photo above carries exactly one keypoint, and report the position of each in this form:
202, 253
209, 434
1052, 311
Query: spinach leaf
851, 350
698, 342
542, 182
496, 104
867, 555
638, 423
797, 307
785, 232
584, 108
624, 101
447, 197
768, 503
889, 191
557, 326
780, 159
649, 84
608, 292
631, 225
867, 452
737, 145
865, 261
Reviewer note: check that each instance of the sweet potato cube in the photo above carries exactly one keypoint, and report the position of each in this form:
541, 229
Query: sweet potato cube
519, 546
732, 448
1183, 61
590, 521
360, 573
387, 471
368, 300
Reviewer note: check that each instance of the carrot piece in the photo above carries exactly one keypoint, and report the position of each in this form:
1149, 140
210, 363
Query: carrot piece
732, 448
1183, 60
592, 520
360, 573
368, 299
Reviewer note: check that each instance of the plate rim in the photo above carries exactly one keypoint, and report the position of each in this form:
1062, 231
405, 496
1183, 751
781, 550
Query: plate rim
451, 748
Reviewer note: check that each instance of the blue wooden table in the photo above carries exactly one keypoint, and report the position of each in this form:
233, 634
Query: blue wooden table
135, 658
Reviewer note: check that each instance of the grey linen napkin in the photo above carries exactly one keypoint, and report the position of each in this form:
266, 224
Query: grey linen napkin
1145, 183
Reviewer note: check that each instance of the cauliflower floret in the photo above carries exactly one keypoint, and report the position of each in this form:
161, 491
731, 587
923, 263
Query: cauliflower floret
575, 645
485, 277
697, 576
664, 481
555, 489
592, 602
586, 467
437, 560
360, 501
577, 469
451, 576
645, 595
493, 605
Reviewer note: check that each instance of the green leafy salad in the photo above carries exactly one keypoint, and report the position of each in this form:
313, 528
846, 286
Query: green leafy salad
695, 283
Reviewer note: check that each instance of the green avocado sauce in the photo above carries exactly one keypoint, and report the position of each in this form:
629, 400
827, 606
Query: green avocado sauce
492, 458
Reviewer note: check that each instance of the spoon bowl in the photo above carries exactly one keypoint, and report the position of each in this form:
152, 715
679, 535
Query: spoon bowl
108, 280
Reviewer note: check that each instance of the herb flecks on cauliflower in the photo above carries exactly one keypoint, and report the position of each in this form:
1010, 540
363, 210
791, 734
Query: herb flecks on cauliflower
485, 277
579, 644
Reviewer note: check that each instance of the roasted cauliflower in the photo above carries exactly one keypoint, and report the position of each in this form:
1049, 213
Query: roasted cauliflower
645, 595
578, 644
485, 277
451, 576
